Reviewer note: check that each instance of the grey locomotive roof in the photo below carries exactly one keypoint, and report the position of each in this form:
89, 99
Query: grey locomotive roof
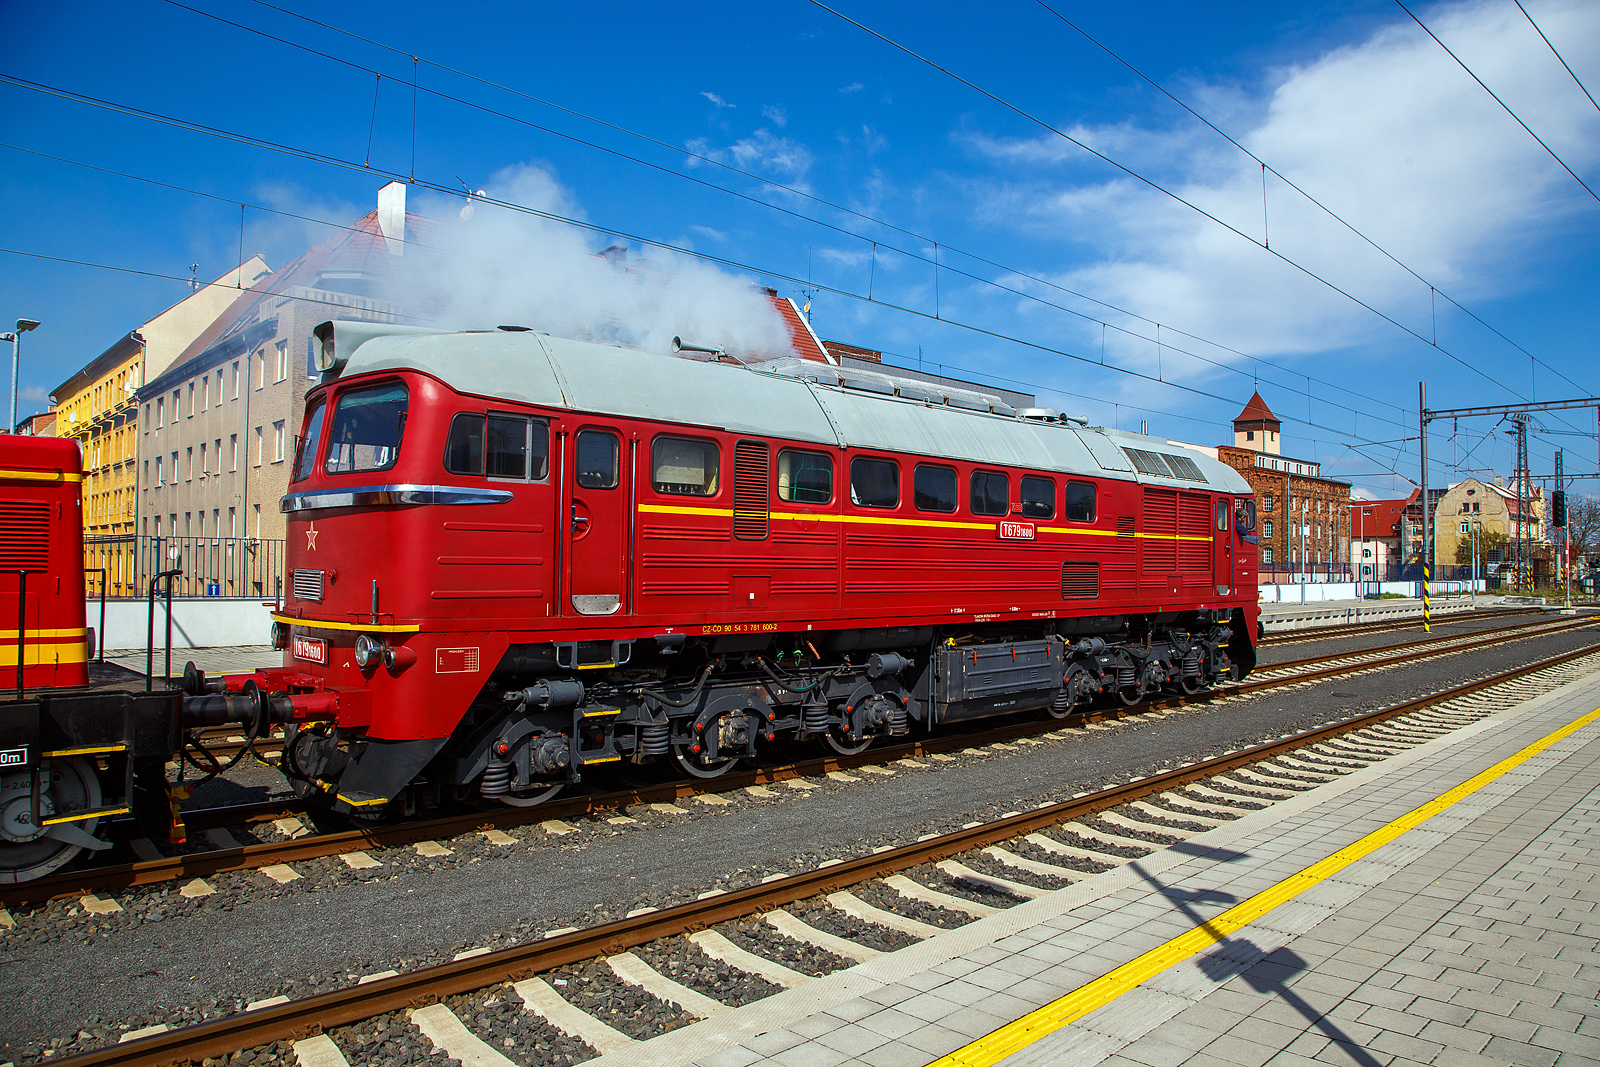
791, 399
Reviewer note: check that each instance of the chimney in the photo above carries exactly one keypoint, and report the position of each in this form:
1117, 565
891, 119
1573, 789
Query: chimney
617, 256
392, 217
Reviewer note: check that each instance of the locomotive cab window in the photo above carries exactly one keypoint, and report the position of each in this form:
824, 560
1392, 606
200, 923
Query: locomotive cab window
805, 477
1079, 503
1038, 498
507, 447
934, 488
991, 493
874, 483
305, 458
1244, 512
597, 455
366, 429
682, 466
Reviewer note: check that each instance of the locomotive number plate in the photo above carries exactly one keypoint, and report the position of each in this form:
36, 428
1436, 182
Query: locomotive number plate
310, 649
1016, 531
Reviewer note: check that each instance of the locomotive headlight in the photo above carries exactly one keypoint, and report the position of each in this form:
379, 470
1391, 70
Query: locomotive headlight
280, 636
369, 651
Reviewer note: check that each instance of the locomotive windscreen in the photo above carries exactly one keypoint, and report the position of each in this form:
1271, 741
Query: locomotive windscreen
367, 427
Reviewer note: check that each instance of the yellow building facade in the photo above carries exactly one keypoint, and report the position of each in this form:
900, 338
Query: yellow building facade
98, 408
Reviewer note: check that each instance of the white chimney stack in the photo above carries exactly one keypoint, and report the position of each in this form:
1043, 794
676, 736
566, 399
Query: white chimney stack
392, 217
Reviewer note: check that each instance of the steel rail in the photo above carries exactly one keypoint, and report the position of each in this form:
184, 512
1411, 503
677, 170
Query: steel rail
1356, 629
1532, 629
301, 1018
317, 846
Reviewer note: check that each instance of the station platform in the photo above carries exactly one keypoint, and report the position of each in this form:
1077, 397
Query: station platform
1276, 618
1437, 907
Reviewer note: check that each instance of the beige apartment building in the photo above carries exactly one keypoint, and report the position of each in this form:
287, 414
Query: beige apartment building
217, 428
97, 407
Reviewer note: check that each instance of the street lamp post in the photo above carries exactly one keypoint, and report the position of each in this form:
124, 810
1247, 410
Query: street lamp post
23, 326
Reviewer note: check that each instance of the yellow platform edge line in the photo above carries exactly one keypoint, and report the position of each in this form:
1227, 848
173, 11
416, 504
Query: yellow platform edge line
1013, 1037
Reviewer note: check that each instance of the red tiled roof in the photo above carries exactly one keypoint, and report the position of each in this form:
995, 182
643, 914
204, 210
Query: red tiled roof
804, 342
1382, 517
1256, 411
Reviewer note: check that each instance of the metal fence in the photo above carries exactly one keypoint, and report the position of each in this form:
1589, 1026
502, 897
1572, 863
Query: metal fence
243, 567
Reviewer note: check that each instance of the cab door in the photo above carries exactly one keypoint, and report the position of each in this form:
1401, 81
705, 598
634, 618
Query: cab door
597, 489
1222, 548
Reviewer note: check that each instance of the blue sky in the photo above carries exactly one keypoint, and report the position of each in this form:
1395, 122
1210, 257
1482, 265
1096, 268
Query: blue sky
1045, 252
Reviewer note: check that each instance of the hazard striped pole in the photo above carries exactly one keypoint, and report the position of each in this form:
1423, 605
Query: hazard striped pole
1427, 615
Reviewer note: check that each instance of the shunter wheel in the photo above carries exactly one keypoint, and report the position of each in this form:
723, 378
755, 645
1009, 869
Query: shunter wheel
29, 851
532, 799
699, 764
837, 741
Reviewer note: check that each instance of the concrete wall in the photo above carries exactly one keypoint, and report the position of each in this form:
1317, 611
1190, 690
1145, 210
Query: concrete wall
1318, 592
198, 623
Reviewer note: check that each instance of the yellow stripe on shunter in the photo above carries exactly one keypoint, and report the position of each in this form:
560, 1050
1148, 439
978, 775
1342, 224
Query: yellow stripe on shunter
890, 520
81, 817
11, 635
55, 477
1108, 987
97, 751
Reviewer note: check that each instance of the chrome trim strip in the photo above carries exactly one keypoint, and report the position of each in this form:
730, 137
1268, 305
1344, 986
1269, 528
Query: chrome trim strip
367, 495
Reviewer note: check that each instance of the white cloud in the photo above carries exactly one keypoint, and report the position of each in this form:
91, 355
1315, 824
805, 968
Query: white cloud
776, 114
762, 152
1389, 132
719, 236
853, 87
717, 100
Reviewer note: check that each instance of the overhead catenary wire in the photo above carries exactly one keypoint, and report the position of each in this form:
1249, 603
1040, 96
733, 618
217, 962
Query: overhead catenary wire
1501, 102
702, 158
450, 189
1553, 52
1267, 168
1164, 191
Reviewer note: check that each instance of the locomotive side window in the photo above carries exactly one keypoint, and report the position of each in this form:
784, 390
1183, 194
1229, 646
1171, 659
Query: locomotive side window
874, 483
305, 457
597, 459
1079, 502
506, 454
805, 477
684, 467
1222, 514
366, 429
463, 454
1038, 498
991, 493
934, 488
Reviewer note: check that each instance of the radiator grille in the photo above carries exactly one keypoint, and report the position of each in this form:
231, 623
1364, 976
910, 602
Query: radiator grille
24, 535
308, 585
1080, 579
751, 504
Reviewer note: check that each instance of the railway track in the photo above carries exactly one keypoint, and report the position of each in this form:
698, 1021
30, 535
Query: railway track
839, 912
1415, 622
227, 742
302, 844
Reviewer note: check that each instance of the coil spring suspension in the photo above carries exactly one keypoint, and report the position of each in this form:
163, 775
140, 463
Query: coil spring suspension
1127, 678
897, 719
653, 739
496, 780
814, 718
1191, 665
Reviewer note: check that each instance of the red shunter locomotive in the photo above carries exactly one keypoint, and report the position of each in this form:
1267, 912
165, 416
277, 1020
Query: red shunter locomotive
514, 557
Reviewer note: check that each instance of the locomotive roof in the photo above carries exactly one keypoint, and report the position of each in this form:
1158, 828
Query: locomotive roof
789, 399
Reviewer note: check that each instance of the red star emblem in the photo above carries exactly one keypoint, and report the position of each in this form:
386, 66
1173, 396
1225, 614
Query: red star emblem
311, 537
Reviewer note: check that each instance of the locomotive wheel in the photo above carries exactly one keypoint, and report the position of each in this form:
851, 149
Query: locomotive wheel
834, 741
1193, 685
697, 765
531, 800
1130, 697
28, 851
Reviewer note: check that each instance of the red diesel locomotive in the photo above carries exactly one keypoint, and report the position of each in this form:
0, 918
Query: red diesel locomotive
513, 557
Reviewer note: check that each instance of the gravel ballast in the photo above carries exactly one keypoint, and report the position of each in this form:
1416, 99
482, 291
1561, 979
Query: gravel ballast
684, 963
595, 988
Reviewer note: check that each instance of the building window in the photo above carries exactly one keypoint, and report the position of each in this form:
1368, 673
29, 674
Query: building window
258, 520
258, 449
233, 523
191, 400
1266, 503
1249, 435
236, 379
1266, 528
1261, 461
161, 411
283, 360
1463, 528
261, 368
1266, 554
205, 466
205, 392
147, 472
233, 451
174, 469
